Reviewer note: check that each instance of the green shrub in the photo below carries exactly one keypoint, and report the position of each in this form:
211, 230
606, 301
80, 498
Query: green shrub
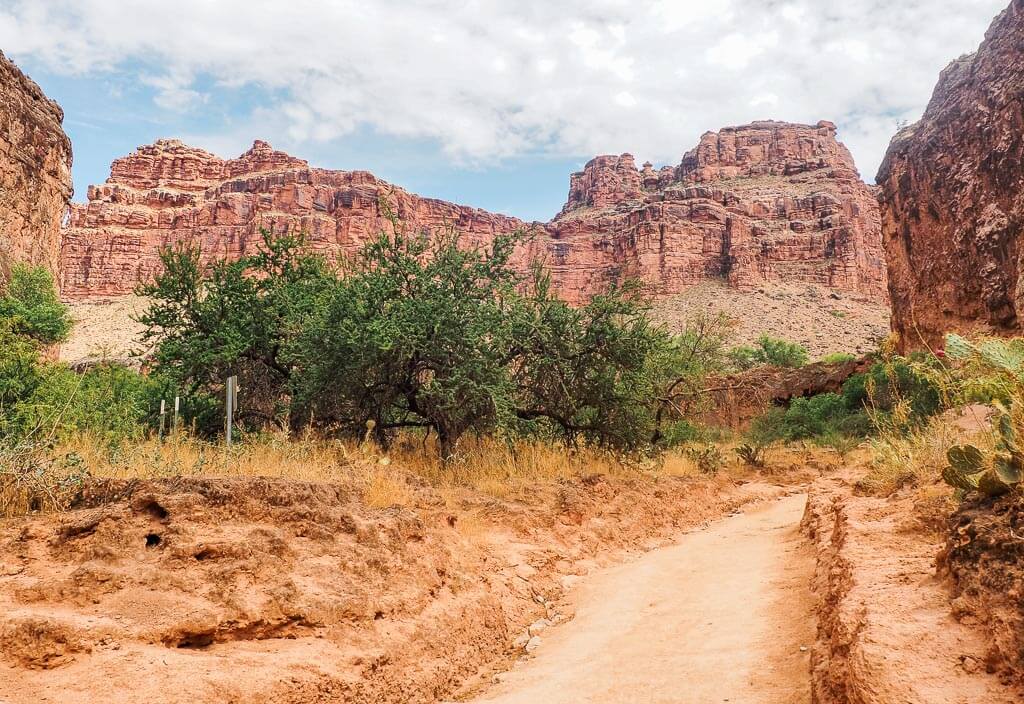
781, 353
745, 357
31, 308
838, 358
898, 390
809, 418
20, 376
771, 351
44, 402
682, 432
110, 402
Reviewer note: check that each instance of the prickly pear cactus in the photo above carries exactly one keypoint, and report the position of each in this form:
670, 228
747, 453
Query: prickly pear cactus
1007, 355
958, 480
966, 463
958, 347
990, 484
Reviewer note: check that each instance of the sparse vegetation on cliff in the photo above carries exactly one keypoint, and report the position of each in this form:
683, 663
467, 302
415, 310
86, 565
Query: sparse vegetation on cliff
771, 351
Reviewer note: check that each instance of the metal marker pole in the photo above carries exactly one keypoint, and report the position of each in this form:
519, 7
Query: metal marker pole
230, 406
177, 405
163, 411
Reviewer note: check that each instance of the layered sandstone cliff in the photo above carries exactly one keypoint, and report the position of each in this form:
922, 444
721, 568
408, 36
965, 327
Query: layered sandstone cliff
35, 171
769, 201
765, 202
952, 197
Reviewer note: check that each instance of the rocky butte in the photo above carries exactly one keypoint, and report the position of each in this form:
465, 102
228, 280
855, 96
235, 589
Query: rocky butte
35, 171
952, 197
769, 201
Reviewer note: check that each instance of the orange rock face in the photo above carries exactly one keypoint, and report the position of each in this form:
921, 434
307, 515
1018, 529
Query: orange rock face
765, 202
952, 198
35, 171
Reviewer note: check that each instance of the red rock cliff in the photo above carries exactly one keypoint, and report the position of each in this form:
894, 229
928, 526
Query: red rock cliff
35, 171
952, 197
768, 201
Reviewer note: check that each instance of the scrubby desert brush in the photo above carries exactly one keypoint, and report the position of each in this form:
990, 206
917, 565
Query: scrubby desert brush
841, 444
917, 456
990, 370
752, 454
32, 480
708, 458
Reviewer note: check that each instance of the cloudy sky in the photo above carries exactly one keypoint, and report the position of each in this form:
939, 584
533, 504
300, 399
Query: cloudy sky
483, 102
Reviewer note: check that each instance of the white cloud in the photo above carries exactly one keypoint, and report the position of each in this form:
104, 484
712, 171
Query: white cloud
490, 79
173, 92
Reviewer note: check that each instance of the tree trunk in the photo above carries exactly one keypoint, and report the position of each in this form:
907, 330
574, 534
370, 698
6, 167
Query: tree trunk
446, 443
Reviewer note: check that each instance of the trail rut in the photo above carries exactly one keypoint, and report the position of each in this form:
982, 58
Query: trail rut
725, 615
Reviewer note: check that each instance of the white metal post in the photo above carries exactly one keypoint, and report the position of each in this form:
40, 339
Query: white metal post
229, 404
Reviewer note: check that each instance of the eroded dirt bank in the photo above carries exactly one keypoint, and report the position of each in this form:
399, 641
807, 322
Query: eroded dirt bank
724, 615
255, 590
886, 628
984, 558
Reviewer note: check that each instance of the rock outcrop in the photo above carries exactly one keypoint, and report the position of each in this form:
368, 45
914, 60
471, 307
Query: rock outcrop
168, 192
769, 201
952, 197
35, 171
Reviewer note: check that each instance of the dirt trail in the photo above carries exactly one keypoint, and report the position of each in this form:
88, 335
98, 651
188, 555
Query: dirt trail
719, 617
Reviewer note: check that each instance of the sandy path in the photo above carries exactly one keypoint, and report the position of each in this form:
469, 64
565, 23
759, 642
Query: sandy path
719, 617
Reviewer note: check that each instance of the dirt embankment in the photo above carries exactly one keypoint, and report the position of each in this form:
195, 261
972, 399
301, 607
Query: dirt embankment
886, 630
984, 557
255, 590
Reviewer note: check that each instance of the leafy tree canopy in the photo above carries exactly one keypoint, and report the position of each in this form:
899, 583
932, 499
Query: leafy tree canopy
30, 307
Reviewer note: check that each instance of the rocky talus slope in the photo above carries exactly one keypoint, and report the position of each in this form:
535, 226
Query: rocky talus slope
769, 201
952, 197
35, 171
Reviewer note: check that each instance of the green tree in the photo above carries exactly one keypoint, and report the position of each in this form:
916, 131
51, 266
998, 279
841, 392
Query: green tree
417, 333
30, 307
597, 372
237, 317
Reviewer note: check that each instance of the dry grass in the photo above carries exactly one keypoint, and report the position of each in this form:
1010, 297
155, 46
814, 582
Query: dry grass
502, 469
487, 466
385, 490
918, 457
185, 456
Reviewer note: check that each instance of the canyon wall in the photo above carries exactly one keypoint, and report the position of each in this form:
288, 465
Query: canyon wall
769, 201
952, 198
35, 172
